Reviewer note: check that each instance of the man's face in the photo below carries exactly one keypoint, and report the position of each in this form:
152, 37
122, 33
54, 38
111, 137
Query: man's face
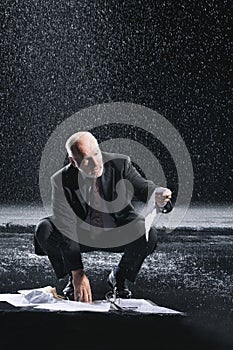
89, 158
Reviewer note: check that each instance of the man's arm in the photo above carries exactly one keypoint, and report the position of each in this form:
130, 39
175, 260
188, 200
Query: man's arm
66, 222
143, 189
63, 216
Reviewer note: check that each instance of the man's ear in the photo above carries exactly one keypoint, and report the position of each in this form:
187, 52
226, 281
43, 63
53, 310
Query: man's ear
72, 161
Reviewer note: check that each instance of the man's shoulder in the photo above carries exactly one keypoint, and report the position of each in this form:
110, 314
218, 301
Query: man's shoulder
110, 156
59, 173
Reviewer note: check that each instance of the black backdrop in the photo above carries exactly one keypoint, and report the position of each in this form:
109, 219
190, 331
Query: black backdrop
59, 57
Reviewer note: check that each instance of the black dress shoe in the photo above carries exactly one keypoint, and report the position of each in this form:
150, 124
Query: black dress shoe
68, 291
119, 284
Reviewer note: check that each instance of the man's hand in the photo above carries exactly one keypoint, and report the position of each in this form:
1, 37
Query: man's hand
162, 196
82, 289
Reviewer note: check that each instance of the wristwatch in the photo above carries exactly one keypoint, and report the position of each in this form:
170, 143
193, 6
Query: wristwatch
167, 208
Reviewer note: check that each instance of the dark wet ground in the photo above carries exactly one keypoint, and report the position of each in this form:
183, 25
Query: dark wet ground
190, 273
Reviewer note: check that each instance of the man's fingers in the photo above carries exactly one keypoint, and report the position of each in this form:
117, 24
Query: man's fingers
162, 196
76, 295
82, 289
84, 296
167, 193
162, 201
89, 296
81, 295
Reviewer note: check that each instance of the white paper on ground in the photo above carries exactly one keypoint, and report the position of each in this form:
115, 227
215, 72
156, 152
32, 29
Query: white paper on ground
137, 305
17, 300
145, 306
40, 299
45, 300
66, 305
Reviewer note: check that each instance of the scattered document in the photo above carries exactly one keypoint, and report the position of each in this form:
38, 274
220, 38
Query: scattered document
43, 298
46, 298
67, 305
144, 306
17, 300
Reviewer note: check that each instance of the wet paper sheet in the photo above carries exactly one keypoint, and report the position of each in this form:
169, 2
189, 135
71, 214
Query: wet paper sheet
19, 300
144, 306
66, 305
43, 298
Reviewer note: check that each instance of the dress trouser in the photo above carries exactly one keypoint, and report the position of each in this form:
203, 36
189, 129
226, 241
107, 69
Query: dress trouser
65, 254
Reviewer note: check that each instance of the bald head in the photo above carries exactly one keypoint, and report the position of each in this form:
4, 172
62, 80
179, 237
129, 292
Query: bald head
79, 138
84, 153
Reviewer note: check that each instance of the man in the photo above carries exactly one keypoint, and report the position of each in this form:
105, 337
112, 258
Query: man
93, 202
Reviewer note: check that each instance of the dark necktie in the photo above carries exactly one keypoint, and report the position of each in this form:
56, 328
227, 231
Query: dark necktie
96, 214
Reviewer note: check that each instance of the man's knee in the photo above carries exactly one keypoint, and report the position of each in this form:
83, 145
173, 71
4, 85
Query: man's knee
42, 232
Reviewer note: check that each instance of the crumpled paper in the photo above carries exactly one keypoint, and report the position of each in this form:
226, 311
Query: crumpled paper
43, 295
38, 297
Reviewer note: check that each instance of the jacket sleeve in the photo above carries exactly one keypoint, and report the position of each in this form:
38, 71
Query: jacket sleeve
65, 220
143, 188
63, 216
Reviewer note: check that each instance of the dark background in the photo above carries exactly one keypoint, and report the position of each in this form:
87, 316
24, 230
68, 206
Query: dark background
59, 57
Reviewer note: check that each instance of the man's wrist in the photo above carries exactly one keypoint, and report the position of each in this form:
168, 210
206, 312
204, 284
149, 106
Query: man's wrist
77, 272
